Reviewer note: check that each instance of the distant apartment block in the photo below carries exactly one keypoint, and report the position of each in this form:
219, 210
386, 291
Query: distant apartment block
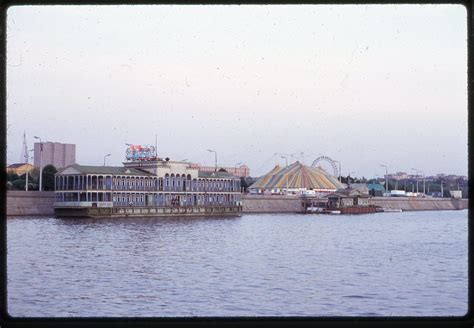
240, 171
398, 176
55, 153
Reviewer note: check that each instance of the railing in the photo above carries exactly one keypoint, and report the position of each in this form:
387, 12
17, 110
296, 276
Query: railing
83, 204
152, 211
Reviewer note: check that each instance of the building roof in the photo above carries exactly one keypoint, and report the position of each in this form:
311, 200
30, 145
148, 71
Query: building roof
296, 176
349, 192
17, 165
215, 175
375, 186
339, 195
361, 187
111, 170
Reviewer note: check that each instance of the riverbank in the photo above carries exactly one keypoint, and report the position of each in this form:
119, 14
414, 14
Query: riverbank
41, 203
271, 204
421, 204
287, 204
30, 203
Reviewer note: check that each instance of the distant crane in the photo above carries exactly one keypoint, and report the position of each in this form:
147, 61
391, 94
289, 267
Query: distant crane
24, 150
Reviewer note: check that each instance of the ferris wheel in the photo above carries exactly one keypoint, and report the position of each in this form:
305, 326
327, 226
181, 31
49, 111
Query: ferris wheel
328, 160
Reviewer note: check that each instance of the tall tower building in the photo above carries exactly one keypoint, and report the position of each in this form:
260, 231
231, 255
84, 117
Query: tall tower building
55, 153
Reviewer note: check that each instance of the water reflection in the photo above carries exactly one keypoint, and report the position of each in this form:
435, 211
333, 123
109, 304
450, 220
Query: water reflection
176, 220
266, 265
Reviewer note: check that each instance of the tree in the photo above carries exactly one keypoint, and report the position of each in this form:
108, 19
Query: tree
12, 176
34, 174
48, 177
18, 184
243, 183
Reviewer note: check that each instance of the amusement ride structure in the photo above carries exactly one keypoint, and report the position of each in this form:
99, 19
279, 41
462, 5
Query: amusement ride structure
331, 162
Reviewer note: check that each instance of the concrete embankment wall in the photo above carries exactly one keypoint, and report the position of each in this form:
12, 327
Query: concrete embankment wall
271, 204
288, 204
420, 204
30, 203
41, 203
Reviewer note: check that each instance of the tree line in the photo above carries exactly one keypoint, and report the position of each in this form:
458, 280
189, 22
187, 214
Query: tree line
18, 181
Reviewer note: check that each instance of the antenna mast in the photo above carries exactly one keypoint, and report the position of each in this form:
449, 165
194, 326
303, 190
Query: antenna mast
24, 150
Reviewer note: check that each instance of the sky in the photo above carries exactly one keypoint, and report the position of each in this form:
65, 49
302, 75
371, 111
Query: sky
363, 84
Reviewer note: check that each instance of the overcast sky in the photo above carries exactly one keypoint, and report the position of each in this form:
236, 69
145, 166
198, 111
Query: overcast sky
365, 85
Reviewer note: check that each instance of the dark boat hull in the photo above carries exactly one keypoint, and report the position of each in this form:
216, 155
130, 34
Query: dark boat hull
358, 210
107, 212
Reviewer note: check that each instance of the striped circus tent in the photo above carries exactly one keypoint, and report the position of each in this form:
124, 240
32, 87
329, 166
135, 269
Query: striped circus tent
297, 176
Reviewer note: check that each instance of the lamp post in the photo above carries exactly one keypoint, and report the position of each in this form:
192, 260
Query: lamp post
423, 182
41, 163
215, 158
416, 179
386, 177
442, 191
27, 170
105, 157
286, 161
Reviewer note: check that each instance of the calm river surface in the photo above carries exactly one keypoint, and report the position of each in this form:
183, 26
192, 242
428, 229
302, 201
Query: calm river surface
384, 264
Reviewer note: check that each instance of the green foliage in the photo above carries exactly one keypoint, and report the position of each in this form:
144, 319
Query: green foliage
12, 176
48, 177
32, 186
246, 182
243, 183
34, 174
18, 184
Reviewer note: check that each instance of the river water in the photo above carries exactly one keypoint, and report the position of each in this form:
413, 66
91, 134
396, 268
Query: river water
383, 264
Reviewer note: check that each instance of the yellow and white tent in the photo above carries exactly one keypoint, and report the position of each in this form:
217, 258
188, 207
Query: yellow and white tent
297, 176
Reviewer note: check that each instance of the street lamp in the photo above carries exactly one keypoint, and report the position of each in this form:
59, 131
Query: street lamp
416, 179
286, 160
105, 157
41, 163
442, 191
423, 181
215, 158
27, 170
386, 177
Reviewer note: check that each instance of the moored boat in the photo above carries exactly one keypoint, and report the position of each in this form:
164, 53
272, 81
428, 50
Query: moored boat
389, 209
145, 186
